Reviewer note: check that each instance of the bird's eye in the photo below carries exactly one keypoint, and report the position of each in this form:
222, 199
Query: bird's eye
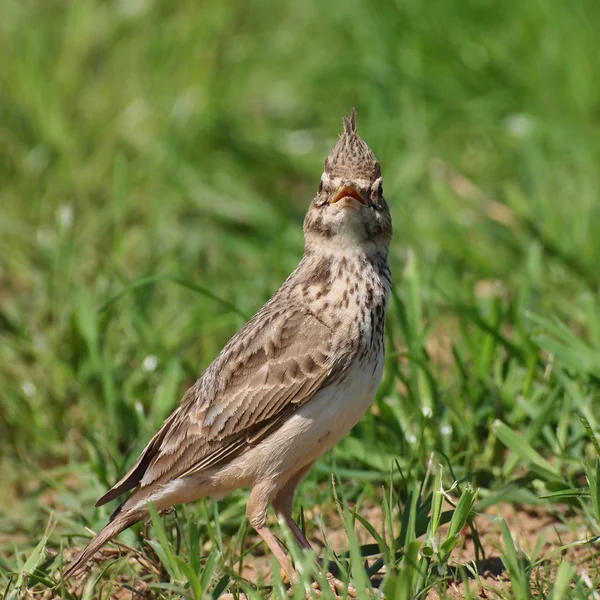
320, 186
380, 189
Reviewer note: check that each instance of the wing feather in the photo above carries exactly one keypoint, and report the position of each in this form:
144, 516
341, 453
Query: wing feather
273, 365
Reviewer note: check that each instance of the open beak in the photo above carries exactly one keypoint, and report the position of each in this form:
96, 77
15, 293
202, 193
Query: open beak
348, 191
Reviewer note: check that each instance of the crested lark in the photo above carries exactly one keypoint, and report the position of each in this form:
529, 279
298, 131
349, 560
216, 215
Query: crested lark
293, 381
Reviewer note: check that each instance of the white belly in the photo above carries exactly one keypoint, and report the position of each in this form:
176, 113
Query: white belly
312, 430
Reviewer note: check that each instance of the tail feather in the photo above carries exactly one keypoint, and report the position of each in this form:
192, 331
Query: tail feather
122, 521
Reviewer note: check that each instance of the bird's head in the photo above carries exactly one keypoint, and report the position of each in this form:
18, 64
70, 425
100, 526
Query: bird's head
349, 212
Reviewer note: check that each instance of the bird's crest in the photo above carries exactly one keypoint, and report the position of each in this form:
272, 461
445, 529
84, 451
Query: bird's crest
351, 157
350, 123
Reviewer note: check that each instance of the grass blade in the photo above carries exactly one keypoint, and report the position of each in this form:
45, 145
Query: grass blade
524, 450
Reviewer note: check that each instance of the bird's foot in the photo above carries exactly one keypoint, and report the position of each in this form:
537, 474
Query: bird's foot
339, 588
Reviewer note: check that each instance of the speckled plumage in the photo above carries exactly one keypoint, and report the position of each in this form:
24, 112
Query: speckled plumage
293, 380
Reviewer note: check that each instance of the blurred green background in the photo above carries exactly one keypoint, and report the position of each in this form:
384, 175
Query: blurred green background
156, 161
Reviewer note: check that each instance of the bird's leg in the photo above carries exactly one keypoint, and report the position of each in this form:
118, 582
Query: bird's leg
283, 503
297, 533
278, 552
256, 509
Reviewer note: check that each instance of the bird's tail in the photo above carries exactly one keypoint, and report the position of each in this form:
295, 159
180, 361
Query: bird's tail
122, 520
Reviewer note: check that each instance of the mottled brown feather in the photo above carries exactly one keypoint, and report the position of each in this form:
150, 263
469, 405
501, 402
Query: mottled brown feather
274, 364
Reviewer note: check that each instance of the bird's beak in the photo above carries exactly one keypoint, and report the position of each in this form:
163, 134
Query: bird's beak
348, 191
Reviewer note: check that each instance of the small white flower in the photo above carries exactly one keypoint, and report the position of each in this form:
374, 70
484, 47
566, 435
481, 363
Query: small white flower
299, 142
139, 407
519, 125
427, 412
411, 438
65, 216
150, 363
446, 429
29, 388
130, 9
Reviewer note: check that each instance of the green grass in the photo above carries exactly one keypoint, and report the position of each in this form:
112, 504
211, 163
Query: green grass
156, 160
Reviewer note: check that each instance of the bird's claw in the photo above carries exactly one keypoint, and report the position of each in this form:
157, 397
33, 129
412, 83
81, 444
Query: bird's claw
339, 588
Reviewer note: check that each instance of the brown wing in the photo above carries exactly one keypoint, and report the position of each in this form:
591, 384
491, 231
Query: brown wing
272, 366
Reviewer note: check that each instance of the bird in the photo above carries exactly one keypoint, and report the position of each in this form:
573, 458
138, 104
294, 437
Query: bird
293, 381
